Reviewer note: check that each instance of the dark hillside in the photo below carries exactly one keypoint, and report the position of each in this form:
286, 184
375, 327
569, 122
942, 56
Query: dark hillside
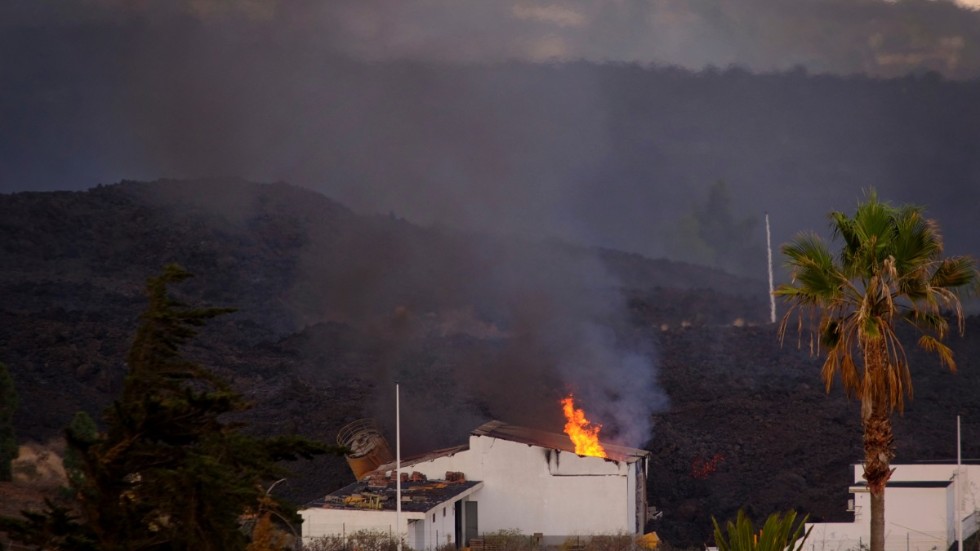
333, 306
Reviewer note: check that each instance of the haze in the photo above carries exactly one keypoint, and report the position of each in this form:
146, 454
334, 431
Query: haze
603, 123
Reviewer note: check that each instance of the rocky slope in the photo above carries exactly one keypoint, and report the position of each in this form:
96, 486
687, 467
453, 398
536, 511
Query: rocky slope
334, 305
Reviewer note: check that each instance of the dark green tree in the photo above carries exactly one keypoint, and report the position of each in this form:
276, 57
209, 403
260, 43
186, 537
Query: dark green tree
83, 431
711, 235
171, 470
54, 528
8, 440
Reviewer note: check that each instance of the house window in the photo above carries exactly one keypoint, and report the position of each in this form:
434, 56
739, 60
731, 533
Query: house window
443, 512
433, 517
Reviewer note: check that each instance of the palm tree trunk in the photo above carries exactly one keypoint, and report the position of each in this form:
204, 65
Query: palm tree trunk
878, 453
878, 522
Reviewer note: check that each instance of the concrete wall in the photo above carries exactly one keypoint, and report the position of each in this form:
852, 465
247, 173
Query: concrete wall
438, 527
420, 531
525, 488
916, 519
533, 489
344, 522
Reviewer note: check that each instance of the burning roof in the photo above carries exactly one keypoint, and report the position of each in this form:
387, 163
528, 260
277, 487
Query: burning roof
556, 441
523, 435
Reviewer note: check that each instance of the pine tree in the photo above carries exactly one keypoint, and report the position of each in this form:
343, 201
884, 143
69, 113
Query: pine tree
83, 431
170, 471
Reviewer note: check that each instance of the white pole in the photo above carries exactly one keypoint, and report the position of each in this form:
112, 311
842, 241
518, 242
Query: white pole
772, 297
959, 498
398, 469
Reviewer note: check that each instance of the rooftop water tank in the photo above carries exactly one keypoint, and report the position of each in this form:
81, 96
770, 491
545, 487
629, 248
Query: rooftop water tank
367, 448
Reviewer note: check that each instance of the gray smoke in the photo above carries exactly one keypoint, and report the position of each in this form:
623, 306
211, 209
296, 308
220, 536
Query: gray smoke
516, 118
444, 113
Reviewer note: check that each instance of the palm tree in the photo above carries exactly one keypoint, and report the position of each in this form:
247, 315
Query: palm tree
890, 270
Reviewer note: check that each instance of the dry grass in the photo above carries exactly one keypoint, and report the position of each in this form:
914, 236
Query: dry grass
37, 474
363, 540
40, 464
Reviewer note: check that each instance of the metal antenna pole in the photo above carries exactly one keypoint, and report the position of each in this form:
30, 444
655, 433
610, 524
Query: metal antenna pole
772, 297
398, 468
959, 496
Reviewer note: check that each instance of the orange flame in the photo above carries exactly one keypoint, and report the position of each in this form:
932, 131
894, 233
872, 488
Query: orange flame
583, 434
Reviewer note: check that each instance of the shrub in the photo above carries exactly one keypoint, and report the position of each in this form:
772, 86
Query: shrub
506, 540
600, 542
361, 540
779, 533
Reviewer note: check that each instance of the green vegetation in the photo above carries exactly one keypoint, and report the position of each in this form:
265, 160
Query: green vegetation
170, 471
8, 440
710, 235
890, 270
82, 429
779, 533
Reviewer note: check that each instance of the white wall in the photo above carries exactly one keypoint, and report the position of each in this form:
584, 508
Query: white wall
421, 531
526, 488
322, 522
437, 525
916, 519
970, 476
534, 489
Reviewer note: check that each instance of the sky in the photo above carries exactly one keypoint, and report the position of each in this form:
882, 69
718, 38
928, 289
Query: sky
759, 34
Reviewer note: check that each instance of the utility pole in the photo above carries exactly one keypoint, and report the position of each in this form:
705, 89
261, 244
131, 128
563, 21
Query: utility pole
398, 468
959, 492
772, 297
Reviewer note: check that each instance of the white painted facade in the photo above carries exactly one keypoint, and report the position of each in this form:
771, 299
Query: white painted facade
419, 530
539, 490
529, 483
920, 510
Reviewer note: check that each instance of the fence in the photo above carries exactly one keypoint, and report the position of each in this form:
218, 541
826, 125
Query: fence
922, 541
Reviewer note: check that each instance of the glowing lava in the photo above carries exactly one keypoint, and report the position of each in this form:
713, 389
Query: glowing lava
584, 434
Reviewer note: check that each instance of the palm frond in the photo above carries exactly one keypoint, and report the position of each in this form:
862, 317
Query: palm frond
931, 321
830, 333
889, 268
815, 278
955, 273
873, 227
899, 377
916, 289
917, 240
843, 226
932, 344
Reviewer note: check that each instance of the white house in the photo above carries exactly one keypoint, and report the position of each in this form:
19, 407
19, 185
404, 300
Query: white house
920, 510
505, 478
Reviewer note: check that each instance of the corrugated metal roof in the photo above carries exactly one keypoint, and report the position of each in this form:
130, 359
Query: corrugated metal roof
553, 440
523, 435
429, 456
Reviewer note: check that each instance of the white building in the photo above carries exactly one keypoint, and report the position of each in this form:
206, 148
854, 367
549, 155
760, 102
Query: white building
513, 478
920, 510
